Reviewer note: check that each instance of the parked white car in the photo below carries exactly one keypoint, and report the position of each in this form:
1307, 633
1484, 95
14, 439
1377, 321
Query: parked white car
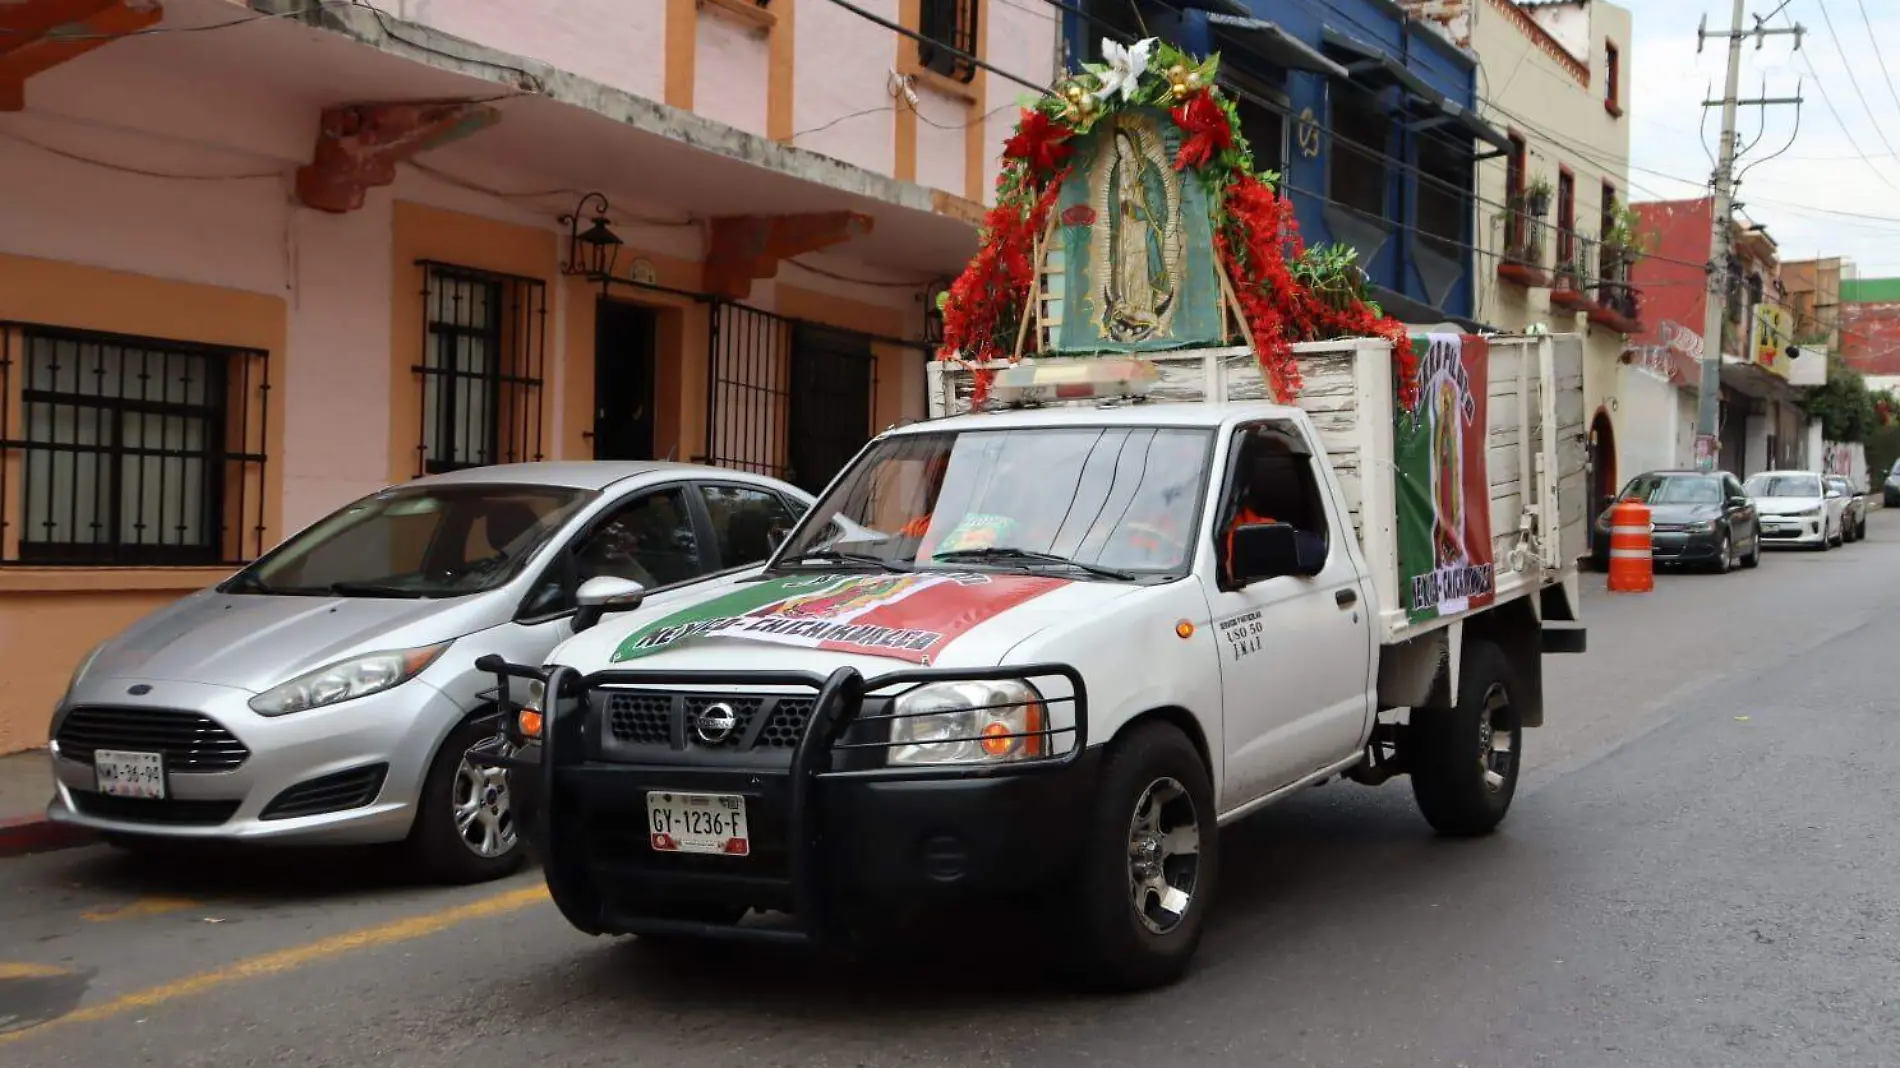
1797, 508
327, 693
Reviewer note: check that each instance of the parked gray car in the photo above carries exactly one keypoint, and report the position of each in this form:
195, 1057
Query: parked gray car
327, 693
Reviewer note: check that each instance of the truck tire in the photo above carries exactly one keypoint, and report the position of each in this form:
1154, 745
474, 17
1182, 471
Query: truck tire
1150, 862
1465, 759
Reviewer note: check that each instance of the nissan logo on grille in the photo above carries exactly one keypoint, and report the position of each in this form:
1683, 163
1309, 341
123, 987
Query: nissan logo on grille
715, 723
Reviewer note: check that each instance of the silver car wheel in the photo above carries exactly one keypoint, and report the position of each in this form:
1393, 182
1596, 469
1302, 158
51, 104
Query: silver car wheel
1164, 846
483, 819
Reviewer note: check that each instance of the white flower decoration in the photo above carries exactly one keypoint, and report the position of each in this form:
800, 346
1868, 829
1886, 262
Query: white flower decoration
1125, 67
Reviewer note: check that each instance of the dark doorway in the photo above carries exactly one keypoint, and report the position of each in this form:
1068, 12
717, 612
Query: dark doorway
833, 380
626, 342
1603, 485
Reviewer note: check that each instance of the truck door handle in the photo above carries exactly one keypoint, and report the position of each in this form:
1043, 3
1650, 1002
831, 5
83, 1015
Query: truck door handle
1345, 598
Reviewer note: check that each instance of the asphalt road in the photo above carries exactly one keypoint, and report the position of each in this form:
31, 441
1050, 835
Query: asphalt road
1700, 870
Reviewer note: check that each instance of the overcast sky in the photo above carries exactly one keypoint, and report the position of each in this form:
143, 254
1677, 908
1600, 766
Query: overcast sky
1821, 197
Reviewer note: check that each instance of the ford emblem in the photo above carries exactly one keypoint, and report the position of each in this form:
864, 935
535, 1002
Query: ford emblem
715, 723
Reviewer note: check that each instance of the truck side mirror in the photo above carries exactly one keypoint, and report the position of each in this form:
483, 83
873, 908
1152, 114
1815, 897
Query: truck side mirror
603, 594
1269, 550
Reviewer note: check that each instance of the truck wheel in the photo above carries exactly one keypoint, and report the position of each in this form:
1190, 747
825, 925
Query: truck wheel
1465, 759
464, 830
1150, 862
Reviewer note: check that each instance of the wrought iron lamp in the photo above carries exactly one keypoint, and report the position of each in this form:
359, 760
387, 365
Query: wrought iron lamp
591, 252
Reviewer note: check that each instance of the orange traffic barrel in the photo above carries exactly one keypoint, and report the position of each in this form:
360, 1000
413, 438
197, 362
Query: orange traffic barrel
1631, 568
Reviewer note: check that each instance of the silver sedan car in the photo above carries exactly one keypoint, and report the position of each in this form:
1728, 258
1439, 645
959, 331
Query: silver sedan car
327, 693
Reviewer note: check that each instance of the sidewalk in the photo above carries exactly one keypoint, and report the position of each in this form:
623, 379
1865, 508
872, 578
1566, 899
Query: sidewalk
26, 784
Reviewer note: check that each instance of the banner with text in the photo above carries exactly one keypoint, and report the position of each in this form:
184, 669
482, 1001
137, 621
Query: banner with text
1442, 485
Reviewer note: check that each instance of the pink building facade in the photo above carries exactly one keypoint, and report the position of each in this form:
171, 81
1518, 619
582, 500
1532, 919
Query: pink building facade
229, 256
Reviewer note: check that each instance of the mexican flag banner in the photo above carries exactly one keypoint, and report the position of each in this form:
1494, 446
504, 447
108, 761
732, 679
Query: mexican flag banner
905, 617
1442, 484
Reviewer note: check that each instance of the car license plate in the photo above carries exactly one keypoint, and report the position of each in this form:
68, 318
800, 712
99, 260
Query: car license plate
123, 774
698, 823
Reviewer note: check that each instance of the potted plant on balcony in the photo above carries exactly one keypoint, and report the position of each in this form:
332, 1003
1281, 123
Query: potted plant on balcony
1537, 193
1625, 241
1567, 289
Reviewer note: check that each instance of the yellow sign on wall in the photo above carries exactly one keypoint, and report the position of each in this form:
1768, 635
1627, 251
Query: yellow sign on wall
1772, 334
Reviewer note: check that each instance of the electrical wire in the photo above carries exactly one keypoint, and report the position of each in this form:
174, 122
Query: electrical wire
836, 277
143, 172
528, 80
1834, 111
623, 218
1879, 54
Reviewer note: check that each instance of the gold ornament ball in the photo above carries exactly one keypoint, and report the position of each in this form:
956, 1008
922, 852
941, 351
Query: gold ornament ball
1194, 79
1177, 72
1074, 93
1179, 91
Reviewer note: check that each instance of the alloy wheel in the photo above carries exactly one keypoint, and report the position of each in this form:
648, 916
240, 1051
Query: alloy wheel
1164, 847
1496, 741
483, 819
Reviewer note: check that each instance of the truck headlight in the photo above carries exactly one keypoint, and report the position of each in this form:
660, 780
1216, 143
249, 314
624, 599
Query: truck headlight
968, 723
533, 705
347, 680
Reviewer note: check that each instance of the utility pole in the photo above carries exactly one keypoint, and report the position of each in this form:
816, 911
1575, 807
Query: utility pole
1721, 255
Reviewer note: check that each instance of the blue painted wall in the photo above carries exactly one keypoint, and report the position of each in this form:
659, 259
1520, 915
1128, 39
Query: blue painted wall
1423, 52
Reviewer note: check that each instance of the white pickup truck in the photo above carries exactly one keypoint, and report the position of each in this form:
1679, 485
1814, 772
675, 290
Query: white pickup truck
1049, 649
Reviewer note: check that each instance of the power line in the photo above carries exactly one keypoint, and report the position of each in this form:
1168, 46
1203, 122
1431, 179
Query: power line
1879, 53
1828, 99
1853, 79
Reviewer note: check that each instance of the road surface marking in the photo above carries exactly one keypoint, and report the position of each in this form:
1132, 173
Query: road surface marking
145, 906
285, 960
23, 970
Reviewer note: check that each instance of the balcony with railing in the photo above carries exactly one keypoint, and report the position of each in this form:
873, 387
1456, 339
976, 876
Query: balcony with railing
1525, 238
1576, 263
1618, 303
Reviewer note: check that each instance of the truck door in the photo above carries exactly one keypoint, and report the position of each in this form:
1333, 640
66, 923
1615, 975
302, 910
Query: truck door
1295, 651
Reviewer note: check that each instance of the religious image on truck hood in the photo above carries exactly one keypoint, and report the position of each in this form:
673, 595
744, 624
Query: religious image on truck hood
1443, 486
905, 617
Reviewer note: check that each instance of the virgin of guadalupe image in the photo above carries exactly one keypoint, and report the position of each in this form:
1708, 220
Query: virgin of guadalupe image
1447, 475
1135, 280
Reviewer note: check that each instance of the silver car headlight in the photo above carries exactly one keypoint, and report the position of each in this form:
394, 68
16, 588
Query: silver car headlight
347, 680
1812, 512
998, 722
1704, 527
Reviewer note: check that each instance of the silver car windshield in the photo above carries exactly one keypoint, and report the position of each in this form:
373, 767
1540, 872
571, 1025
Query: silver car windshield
424, 541
1104, 497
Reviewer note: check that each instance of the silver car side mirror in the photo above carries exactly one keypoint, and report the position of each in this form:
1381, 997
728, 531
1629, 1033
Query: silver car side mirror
603, 594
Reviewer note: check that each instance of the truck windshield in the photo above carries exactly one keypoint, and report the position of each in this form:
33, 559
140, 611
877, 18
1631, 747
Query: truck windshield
1120, 498
424, 541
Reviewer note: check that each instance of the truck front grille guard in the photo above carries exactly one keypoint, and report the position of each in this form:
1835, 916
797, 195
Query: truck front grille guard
839, 703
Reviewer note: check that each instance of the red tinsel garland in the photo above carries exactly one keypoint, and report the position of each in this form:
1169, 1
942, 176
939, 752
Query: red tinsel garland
986, 301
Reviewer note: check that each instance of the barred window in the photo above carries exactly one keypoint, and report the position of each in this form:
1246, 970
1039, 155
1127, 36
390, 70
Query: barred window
483, 346
953, 23
130, 450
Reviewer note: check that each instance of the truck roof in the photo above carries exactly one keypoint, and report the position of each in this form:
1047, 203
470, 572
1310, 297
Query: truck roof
1175, 414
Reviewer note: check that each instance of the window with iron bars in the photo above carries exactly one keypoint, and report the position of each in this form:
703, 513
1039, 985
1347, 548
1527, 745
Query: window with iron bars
484, 343
948, 22
119, 450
